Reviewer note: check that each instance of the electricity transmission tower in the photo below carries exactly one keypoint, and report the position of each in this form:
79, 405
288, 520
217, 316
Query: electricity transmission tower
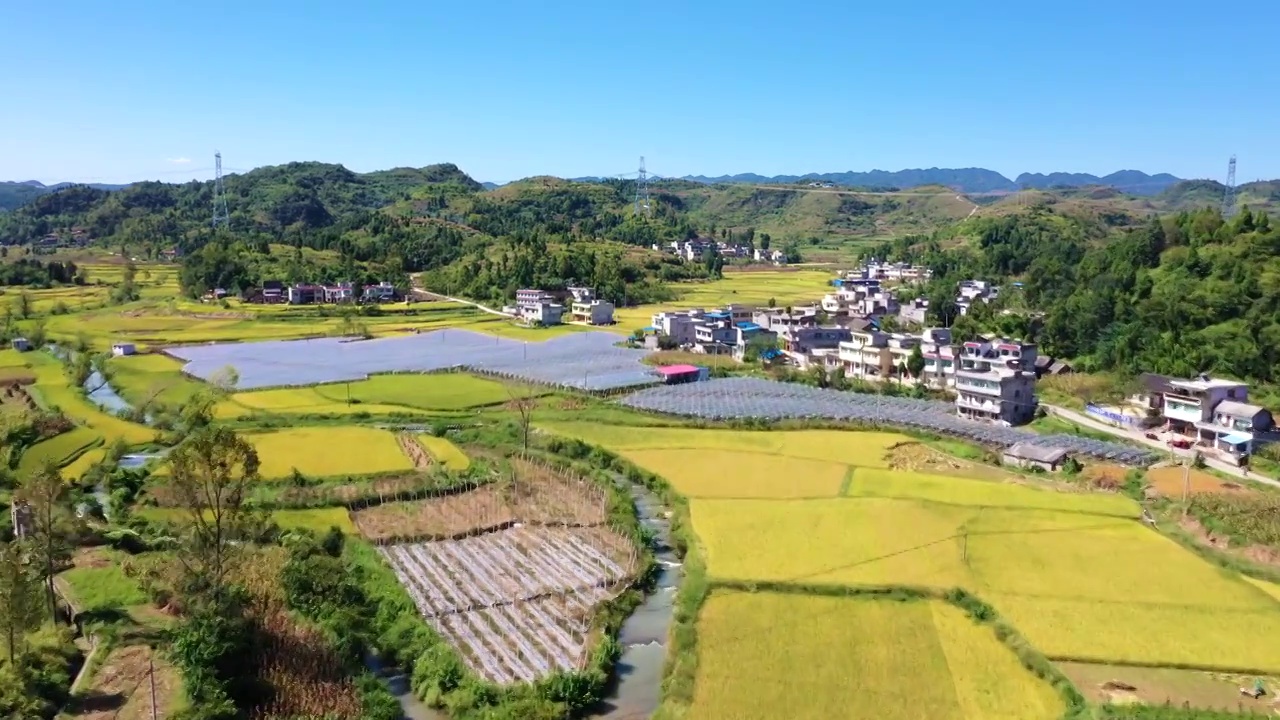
220, 214
642, 190
1229, 197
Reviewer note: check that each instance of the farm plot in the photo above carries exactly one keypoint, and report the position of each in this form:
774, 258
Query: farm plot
517, 603
722, 474
326, 451
864, 449
445, 452
536, 497
768, 655
872, 482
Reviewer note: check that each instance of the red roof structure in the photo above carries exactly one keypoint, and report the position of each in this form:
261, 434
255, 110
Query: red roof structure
669, 370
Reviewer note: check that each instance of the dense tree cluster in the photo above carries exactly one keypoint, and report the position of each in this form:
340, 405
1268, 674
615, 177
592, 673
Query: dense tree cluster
33, 273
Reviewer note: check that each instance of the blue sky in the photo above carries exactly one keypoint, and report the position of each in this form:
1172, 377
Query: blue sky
130, 90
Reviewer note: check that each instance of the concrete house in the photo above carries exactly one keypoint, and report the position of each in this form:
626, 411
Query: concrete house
865, 355
21, 344
123, 349
305, 294
939, 358
1025, 455
680, 326
539, 306
995, 381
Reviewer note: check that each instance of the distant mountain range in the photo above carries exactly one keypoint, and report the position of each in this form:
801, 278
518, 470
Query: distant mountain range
17, 194
968, 180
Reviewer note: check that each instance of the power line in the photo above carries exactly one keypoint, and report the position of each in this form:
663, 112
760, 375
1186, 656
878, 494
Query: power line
220, 214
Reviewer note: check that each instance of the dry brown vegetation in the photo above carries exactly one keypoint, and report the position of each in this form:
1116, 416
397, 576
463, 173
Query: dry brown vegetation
1168, 481
122, 689
918, 457
414, 450
536, 495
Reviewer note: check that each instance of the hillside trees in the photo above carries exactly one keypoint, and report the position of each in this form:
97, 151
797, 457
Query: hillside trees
1180, 295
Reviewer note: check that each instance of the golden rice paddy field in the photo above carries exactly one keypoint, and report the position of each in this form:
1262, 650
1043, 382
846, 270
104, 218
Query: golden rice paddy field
768, 655
445, 452
1076, 573
54, 388
328, 451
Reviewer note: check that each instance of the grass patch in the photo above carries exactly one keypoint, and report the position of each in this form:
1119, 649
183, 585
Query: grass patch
139, 378
438, 391
101, 588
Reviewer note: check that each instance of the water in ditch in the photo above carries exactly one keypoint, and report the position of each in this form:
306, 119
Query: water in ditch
637, 686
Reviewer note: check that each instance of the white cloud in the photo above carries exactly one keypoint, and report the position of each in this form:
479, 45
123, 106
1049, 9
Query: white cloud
178, 160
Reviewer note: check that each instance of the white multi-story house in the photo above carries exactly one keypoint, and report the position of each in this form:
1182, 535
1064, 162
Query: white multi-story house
539, 306
865, 355
939, 359
995, 381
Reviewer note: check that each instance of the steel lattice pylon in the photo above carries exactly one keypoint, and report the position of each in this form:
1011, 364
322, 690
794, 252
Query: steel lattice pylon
220, 214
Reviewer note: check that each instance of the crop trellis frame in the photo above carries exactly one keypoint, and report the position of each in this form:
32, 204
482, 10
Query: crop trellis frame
756, 398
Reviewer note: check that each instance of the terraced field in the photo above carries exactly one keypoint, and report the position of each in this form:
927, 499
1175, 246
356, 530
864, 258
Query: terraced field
1076, 573
328, 451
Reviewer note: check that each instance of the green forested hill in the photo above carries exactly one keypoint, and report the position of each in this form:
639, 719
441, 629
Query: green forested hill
1182, 294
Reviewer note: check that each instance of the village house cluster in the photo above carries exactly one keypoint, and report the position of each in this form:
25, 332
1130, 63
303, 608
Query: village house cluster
275, 292
992, 379
694, 250
547, 307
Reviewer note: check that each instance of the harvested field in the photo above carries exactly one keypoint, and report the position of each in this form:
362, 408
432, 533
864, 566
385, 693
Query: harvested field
415, 452
121, 688
768, 656
517, 603
726, 474
1103, 476
918, 457
1169, 482
538, 496
1123, 684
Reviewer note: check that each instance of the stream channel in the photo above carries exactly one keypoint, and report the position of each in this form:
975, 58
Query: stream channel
636, 688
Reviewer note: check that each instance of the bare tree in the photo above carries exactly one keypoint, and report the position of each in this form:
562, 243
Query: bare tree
524, 399
210, 476
47, 496
20, 600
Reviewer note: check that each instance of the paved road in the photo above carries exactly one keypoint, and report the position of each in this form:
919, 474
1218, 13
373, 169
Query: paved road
1085, 420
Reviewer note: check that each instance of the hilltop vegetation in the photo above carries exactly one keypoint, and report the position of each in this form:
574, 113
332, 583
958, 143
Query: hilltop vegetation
1185, 294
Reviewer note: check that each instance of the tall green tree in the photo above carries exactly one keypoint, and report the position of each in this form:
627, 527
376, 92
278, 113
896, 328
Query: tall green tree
210, 476
48, 496
20, 595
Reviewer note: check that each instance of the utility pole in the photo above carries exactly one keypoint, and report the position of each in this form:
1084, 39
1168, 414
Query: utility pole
1186, 484
151, 673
